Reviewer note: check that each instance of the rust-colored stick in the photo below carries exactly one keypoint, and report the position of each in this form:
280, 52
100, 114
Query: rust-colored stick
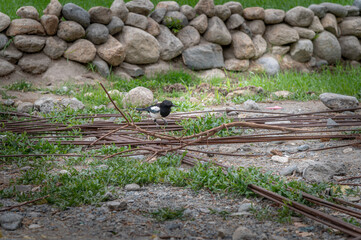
22, 204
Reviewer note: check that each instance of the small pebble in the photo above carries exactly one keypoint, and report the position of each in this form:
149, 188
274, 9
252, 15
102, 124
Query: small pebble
132, 187
304, 147
279, 159
34, 226
347, 150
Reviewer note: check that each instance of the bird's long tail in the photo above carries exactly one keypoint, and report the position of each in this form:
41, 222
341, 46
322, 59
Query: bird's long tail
141, 109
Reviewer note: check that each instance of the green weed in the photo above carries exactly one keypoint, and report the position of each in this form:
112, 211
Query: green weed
21, 86
167, 213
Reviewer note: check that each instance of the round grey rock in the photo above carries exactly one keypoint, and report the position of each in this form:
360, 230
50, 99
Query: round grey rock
55, 47
140, 6
235, 7
115, 26
29, 43
6, 68
327, 47
270, 65
357, 3
158, 14
70, 31
34, 63
25, 107
28, 12
338, 101
72, 103
274, 16
101, 66
243, 233
100, 15
137, 20
336, 9
350, 47
45, 104
4, 21
189, 36
194, 57
3, 40
75, 13
299, 17
319, 10
302, 50
188, 11
223, 12
11, 221
97, 33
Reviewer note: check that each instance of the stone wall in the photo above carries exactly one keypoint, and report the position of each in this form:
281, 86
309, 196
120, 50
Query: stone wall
131, 38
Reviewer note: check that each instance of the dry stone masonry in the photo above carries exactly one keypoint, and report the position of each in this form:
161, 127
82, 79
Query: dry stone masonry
135, 38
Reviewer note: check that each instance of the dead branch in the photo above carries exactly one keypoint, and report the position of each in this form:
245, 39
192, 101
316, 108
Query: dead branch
24, 203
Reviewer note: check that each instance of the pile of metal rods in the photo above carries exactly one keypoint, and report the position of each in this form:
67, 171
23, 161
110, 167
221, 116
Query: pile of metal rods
282, 127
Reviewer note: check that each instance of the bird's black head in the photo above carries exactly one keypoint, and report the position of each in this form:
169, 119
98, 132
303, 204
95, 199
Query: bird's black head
167, 103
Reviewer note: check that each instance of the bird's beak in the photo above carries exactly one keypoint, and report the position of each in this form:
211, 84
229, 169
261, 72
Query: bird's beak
174, 105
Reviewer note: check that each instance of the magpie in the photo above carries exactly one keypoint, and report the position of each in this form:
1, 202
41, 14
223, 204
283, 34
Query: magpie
159, 110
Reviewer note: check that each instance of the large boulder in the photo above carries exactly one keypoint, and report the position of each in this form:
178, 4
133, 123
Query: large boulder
234, 21
158, 14
281, 34
243, 46
77, 14
323, 172
29, 44
139, 96
70, 31
302, 50
222, 12
6, 68
168, 5
257, 27
141, 47
11, 53
350, 47
4, 21
25, 26
72, 103
101, 66
3, 40
319, 10
189, 36
55, 47
235, 7
274, 16
316, 25
329, 23
338, 101
188, 11
34, 63
260, 46
327, 47
45, 104
119, 9
170, 46
200, 23
50, 24
205, 7
217, 32
113, 52
269, 64
28, 12
305, 33
53, 8
140, 6
204, 56
299, 17
62, 70
336, 9
351, 26
234, 64
100, 15
137, 20
82, 51
115, 26
97, 33
254, 13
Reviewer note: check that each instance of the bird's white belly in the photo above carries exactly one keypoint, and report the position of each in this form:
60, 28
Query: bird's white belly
155, 115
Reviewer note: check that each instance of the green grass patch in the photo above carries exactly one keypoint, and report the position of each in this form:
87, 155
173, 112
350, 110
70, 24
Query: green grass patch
167, 213
308, 86
21, 86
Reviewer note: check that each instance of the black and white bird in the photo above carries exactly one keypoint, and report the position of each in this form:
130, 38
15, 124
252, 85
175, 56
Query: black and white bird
159, 110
